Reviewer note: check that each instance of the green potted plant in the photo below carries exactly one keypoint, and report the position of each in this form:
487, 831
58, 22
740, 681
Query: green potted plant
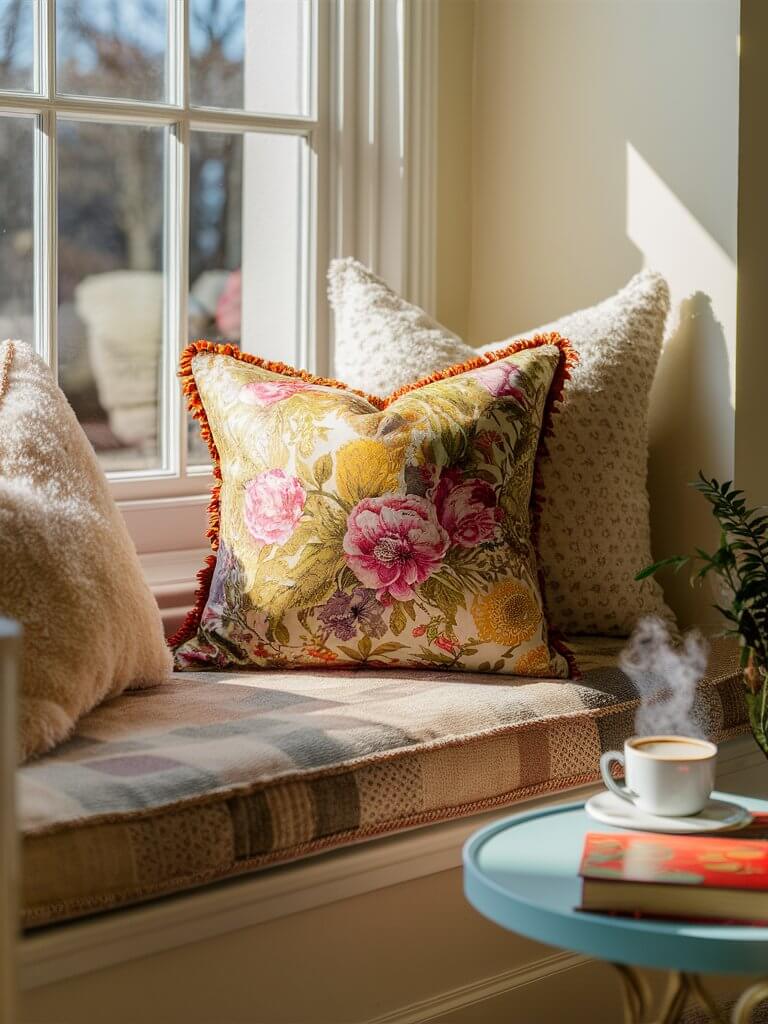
741, 563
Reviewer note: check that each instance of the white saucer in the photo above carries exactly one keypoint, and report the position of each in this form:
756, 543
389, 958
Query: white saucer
717, 816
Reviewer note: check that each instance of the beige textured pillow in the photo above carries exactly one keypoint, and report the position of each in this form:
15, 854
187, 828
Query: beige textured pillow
68, 567
595, 531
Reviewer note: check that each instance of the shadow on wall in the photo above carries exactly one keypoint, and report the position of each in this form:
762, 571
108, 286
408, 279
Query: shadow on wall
605, 139
691, 430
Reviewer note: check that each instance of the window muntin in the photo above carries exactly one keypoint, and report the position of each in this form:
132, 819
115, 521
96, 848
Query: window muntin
17, 143
149, 225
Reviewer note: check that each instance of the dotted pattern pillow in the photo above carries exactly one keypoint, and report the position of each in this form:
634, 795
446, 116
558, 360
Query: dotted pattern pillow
354, 530
595, 530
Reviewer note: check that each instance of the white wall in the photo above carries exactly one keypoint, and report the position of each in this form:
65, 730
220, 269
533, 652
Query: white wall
604, 139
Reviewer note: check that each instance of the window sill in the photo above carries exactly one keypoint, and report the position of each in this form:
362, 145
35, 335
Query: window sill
172, 578
167, 525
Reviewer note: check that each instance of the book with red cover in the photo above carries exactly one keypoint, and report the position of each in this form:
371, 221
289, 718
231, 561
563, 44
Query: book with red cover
722, 877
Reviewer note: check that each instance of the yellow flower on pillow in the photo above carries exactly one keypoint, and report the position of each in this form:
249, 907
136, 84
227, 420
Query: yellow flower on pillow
507, 614
364, 531
533, 662
367, 468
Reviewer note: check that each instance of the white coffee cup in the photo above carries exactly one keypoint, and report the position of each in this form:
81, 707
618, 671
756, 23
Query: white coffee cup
666, 775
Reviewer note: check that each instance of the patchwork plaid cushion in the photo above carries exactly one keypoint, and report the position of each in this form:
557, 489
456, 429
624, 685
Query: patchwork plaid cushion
218, 774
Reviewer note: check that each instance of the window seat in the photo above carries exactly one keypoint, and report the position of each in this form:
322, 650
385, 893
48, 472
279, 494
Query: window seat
218, 774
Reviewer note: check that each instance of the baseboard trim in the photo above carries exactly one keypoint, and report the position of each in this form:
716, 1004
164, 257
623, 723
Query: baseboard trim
479, 991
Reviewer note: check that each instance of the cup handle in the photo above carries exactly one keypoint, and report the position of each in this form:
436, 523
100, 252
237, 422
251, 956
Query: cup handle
606, 761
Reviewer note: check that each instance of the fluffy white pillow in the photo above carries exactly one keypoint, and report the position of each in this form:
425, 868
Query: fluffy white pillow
69, 570
594, 531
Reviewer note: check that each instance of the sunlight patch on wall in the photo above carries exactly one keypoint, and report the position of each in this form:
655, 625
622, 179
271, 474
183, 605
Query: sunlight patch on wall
673, 242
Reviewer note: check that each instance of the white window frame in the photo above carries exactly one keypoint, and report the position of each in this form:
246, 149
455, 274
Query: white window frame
180, 118
369, 187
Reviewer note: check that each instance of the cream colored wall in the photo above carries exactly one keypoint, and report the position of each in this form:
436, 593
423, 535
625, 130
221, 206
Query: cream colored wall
604, 138
752, 363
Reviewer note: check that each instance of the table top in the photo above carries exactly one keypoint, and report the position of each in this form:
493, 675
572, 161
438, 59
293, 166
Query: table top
522, 873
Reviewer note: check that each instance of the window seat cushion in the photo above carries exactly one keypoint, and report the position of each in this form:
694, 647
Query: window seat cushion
218, 774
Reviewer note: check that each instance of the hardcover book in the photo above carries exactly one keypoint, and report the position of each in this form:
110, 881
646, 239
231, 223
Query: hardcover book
692, 877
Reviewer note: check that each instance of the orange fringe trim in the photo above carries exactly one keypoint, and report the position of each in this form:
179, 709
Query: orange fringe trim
568, 359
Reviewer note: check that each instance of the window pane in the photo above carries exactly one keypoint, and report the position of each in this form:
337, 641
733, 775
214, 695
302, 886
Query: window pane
17, 44
111, 286
112, 48
215, 232
255, 235
254, 55
16, 206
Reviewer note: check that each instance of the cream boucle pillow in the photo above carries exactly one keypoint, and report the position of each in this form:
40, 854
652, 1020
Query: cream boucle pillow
69, 571
594, 526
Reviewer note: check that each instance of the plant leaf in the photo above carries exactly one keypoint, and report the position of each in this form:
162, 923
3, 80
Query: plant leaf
676, 561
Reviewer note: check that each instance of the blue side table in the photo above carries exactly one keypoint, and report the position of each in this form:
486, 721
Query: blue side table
522, 873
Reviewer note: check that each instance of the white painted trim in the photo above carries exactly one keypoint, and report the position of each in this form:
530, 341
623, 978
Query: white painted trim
479, 991
159, 504
344, 98
45, 248
173, 572
10, 645
172, 578
420, 88
368, 116
384, 126
89, 108
167, 525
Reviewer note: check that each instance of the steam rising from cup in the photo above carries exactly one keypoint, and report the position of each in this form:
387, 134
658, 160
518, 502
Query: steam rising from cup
665, 677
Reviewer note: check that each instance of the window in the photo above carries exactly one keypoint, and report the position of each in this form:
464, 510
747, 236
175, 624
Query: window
186, 168
175, 148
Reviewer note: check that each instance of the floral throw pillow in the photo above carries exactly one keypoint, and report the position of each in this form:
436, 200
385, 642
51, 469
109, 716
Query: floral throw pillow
355, 530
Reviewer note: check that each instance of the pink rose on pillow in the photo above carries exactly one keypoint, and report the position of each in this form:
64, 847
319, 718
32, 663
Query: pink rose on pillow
267, 392
466, 510
392, 544
274, 501
500, 379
